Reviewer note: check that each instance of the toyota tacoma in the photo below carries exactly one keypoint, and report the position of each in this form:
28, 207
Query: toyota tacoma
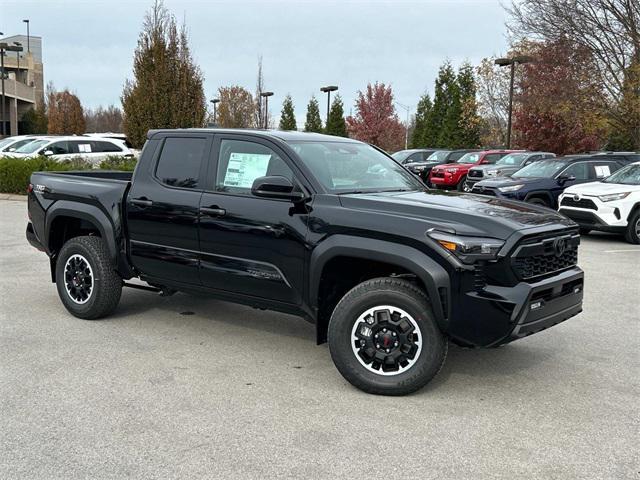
330, 229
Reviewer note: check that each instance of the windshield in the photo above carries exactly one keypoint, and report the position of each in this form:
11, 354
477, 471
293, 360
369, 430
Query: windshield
469, 158
512, 159
402, 155
32, 146
6, 141
544, 169
439, 156
629, 175
353, 167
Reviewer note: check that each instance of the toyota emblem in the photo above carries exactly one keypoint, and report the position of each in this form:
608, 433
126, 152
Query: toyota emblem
559, 246
576, 198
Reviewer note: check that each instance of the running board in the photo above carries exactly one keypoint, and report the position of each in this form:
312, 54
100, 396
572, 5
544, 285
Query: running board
142, 287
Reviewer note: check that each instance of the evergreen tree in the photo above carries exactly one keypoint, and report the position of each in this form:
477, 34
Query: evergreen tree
336, 124
288, 116
418, 138
442, 102
469, 134
313, 123
166, 91
34, 121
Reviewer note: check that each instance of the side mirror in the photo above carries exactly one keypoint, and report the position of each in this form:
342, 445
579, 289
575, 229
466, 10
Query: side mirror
484, 162
565, 178
47, 153
12, 149
275, 186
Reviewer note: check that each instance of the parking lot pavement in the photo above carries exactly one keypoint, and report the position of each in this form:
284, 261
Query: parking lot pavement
231, 392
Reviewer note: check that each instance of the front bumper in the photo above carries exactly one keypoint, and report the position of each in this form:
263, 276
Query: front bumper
497, 315
449, 180
605, 216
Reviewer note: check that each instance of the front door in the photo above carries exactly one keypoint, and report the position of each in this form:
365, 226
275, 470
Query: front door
163, 209
250, 246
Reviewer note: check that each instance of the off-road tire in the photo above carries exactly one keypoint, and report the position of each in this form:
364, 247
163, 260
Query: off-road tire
460, 186
632, 235
106, 283
401, 294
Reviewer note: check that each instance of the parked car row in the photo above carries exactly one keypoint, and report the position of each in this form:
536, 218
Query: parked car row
597, 190
91, 147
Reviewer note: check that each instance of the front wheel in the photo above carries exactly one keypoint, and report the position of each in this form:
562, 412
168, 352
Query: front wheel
632, 234
384, 339
461, 185
87, 284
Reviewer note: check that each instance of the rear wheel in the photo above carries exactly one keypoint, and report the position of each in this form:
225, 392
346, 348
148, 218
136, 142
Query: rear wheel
87, 284
383, 337
632, 234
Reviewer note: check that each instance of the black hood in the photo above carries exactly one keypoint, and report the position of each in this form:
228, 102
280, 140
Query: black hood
465, 213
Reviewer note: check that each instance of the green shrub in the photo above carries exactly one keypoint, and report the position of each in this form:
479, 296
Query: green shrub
16, 172
119, 163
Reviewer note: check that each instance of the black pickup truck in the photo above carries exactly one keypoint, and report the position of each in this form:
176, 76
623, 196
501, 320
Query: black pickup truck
330, 229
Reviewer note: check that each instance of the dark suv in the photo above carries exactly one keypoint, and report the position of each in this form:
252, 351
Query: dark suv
542, 182
439, 157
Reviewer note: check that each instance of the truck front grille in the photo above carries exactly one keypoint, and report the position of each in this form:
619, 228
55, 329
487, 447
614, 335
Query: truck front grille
540, 256
475, 173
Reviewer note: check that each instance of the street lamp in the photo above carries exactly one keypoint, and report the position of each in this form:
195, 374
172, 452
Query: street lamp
5, 47
28, 43
266, 96
215, 101
504, 62
328, 90
406, 129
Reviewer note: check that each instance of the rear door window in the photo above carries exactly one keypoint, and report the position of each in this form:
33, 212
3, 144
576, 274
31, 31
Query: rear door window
180, 161
603, 169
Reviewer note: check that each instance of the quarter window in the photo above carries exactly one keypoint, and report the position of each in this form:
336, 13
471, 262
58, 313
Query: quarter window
180, 161
241, 162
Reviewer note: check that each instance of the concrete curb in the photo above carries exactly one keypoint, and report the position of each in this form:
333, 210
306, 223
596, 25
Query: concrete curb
10, 196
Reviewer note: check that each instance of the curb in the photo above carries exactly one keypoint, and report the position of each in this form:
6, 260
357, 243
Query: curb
12, 197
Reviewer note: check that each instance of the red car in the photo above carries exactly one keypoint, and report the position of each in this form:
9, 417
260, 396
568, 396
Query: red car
453, 175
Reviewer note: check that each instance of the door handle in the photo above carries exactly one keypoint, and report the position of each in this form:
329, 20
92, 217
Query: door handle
143, 202
213, 211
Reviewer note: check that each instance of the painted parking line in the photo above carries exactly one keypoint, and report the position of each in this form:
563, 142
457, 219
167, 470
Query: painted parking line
637, 250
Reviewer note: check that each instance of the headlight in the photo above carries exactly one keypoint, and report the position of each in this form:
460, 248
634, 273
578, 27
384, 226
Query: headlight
492, 172
467, 249
451, 170
418, 169
613, 196
511, 188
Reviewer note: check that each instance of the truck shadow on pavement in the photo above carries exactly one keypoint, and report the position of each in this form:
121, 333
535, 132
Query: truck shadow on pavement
207, 317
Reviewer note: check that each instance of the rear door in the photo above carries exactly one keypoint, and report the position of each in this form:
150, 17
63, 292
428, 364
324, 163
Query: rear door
163, 208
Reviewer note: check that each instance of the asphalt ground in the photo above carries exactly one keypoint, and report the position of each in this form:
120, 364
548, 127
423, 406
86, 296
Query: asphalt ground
234, 393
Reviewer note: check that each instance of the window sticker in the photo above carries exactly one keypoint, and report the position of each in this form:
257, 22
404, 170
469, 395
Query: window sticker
602, 171
84, 148
244, 168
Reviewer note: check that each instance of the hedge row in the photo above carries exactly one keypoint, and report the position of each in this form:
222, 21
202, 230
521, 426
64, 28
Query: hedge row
16, 172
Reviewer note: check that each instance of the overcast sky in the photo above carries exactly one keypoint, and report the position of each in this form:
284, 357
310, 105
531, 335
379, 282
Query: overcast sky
88, 45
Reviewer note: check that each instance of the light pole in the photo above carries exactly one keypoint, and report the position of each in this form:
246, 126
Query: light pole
26, 20
215, 102
511, 62
328, 90
406, 129
5, 47
266, 96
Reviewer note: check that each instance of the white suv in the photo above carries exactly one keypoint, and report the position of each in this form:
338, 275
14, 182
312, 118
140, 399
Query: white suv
94, 150
611, 205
